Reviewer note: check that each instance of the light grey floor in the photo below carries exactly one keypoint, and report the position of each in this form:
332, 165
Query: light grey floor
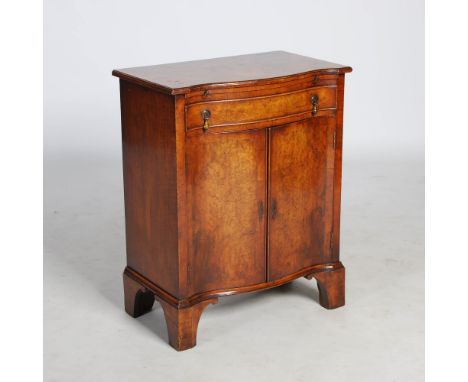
277, 335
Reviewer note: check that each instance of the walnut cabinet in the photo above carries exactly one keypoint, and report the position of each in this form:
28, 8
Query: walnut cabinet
232, 181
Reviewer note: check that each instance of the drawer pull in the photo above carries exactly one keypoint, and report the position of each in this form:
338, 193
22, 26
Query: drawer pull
206, 114
314, 99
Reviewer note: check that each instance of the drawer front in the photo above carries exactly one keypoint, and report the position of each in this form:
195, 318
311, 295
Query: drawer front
261, 111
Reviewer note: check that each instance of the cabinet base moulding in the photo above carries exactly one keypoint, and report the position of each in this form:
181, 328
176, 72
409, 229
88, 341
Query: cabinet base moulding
182, 315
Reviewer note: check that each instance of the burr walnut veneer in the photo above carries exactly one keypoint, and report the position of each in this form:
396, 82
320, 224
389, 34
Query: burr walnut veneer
232, 180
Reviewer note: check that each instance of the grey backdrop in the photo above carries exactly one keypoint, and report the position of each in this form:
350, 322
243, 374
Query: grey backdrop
276, 335
382, 40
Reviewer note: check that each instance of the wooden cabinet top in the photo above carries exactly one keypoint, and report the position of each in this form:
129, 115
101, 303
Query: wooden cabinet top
249, 69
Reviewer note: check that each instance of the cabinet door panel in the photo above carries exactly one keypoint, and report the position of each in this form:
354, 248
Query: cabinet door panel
301, 176
226, 180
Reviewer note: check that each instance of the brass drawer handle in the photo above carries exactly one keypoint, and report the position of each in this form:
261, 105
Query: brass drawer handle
314, 99
206, 115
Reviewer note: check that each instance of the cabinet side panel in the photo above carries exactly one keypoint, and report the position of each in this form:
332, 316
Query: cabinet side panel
149, 168
335, 252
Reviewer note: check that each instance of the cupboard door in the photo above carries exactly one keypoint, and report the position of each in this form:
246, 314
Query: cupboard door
226, 193
301, 197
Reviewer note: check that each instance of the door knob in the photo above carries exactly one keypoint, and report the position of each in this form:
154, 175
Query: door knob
274, 209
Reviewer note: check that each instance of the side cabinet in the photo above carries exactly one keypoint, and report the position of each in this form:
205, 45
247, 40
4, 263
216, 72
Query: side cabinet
232, 182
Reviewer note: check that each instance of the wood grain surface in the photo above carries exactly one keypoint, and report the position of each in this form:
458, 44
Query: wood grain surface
252, 69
